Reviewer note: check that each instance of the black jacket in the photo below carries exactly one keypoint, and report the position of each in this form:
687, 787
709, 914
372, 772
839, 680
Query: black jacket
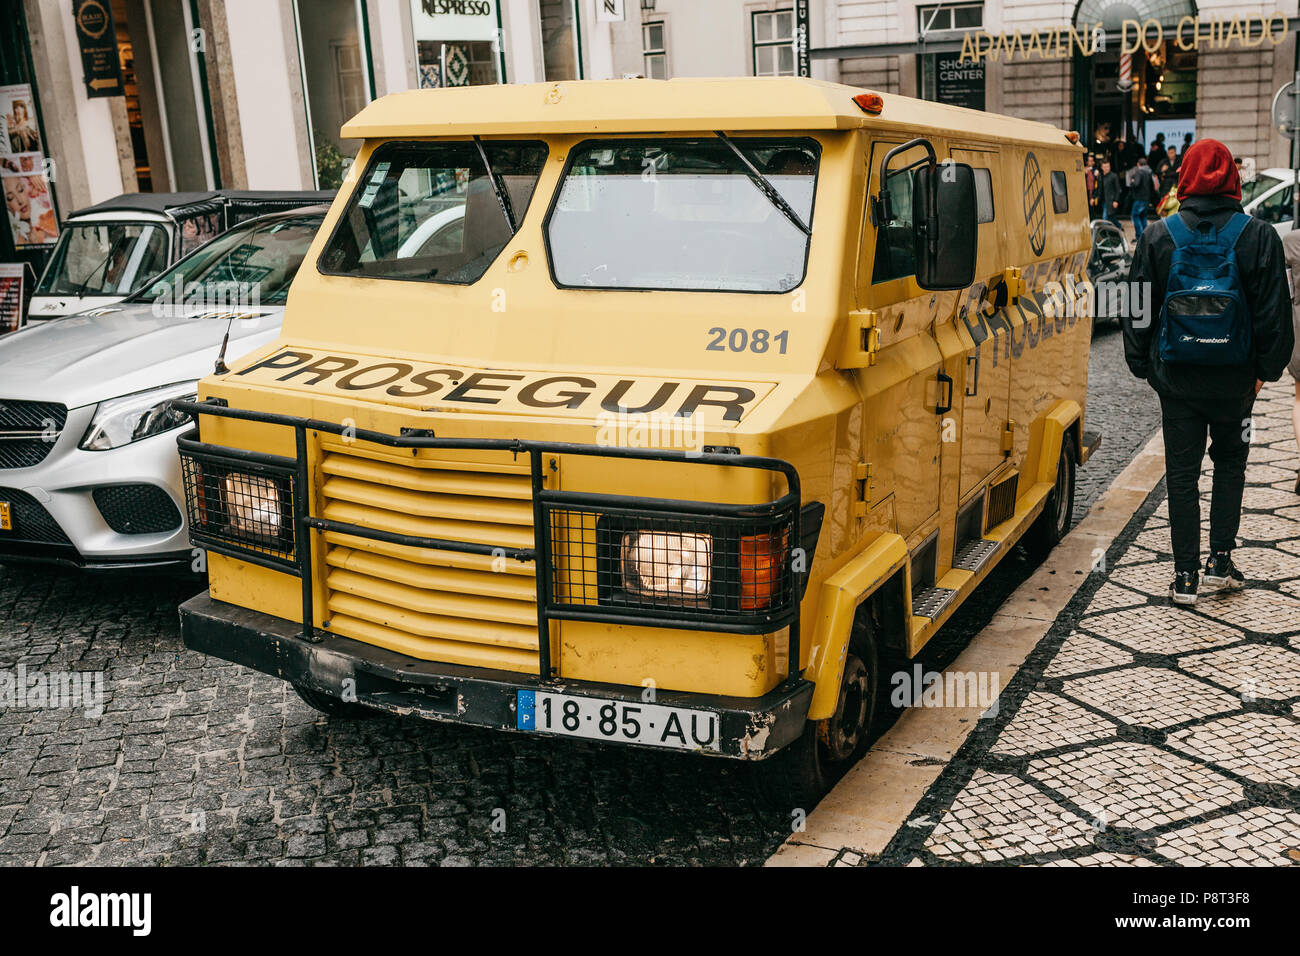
1110, 190
1144, 185
1262, 267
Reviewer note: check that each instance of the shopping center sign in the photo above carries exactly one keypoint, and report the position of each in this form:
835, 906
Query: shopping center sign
1189, 33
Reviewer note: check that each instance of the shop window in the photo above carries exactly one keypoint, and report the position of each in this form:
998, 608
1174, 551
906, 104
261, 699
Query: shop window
1060, 196
334, 80
559, 28
983, 195
773, 43
949, 16
654, 50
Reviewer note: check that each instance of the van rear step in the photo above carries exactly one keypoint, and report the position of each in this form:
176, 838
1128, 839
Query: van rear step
931, 602
1090, 442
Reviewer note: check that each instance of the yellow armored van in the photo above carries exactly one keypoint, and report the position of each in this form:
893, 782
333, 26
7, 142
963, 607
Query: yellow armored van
651, 413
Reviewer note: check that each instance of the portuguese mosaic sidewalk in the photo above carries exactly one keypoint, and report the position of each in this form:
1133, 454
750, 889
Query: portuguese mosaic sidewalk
1134, 733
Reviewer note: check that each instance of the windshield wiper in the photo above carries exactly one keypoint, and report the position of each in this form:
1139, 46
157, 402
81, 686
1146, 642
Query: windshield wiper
765, 186
502, 197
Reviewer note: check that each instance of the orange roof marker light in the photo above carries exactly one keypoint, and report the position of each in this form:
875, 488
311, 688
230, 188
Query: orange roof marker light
1073, 136
871, 103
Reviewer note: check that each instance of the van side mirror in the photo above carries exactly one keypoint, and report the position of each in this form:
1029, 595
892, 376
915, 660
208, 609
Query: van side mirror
943, 198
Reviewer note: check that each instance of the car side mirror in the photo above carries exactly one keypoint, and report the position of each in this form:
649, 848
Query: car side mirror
946, 229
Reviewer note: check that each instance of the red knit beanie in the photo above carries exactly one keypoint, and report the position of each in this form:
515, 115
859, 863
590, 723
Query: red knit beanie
1208, 170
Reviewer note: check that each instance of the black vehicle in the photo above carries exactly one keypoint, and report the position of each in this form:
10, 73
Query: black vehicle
1108, 264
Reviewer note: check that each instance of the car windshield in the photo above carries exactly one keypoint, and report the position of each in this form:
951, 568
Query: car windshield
105, 258
429, 211
251, 264
683, 214
1257, 187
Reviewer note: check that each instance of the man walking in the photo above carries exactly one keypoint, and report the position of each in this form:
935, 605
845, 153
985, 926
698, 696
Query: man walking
1109, 192
1144, 194
1218, 278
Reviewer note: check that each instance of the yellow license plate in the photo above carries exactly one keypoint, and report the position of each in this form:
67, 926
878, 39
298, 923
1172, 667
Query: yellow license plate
6, 520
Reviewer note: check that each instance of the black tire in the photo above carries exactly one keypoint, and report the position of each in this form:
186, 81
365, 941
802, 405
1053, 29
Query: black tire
1054, 523
799, 776
332, 706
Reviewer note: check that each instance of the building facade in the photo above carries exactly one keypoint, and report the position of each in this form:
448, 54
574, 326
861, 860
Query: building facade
102, 97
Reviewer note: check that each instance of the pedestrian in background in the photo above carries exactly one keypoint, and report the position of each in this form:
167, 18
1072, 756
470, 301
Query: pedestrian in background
1144, 195
1291, 248
1200, 390
1091, 182
1157, 151
1110, 190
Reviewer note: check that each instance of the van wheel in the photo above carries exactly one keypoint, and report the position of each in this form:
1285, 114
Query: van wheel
1054, 523
332, 706
799, 776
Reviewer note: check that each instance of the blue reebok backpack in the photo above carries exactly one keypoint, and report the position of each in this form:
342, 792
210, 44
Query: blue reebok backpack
1204, 319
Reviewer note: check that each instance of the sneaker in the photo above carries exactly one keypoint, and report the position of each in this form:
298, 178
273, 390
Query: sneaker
1183, 590
1221, 573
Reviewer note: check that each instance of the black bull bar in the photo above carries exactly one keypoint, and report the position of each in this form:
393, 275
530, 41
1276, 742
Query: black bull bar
796, 527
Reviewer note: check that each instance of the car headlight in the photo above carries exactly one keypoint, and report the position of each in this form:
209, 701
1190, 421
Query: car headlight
668, 566
252, 505
120, 421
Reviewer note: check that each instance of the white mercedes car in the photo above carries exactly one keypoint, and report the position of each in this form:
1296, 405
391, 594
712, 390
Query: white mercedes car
89, 472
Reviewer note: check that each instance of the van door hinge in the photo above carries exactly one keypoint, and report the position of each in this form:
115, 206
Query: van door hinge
861, 340
862, 488
1014, 279
1008, 438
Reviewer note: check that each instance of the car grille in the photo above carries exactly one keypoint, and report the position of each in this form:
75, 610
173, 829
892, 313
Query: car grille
31, 522
137, 509
475, 610
28, 431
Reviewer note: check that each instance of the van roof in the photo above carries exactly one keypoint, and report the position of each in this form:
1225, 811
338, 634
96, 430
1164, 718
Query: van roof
665, 106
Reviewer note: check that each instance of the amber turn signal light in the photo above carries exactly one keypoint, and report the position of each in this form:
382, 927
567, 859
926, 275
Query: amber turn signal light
871, 103
761, 558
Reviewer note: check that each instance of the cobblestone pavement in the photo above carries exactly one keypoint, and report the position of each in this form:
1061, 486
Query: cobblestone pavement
195, 761
1140, 733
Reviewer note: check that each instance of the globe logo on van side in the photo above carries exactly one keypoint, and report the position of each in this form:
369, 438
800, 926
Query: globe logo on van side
1035, 206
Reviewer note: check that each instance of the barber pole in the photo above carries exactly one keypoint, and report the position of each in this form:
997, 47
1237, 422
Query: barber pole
1125, 82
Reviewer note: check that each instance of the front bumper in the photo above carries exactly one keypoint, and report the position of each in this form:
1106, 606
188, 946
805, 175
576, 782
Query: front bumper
58, 498
752, 728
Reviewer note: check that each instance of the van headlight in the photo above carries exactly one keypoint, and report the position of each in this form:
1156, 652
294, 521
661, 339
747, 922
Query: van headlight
120, 421
661, 565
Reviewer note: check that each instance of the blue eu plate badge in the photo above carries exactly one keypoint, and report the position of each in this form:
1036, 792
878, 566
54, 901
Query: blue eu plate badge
525, 703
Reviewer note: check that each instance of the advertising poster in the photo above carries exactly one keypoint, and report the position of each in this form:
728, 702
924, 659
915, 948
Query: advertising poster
28, 201
11, 295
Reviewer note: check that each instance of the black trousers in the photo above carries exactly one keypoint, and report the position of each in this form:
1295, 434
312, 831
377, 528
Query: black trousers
1186, 425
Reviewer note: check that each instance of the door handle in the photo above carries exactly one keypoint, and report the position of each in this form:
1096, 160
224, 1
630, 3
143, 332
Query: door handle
973, 379
945, 381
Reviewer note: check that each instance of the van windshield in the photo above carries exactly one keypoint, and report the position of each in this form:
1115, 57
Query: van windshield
683, 215
105, 258
429, 211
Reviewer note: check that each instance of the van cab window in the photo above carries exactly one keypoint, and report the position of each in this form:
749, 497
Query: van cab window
430, 212
683, 215
983, 194
895, 256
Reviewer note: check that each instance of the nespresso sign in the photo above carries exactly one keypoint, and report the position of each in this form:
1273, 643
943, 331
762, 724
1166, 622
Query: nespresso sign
454, 19
1190, 33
